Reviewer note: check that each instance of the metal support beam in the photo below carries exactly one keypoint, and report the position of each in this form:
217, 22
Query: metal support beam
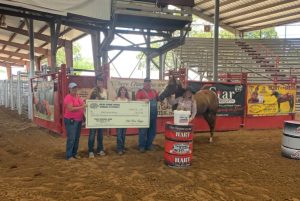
54, 31
116, 56
15, 61
131, 48
134, 32
95, 37
104, 58
37, 35
14, 34
25, 47
31, 47
31, 71
109, 37
69, 54
210, 19
38, 63
8, 70
173, 43
3, 64
216, 42
162, 59
148, 59
15, 54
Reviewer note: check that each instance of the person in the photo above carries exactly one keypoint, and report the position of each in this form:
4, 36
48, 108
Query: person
98, 93
73, 115
254, 96
122, 95
147, 135
185, 102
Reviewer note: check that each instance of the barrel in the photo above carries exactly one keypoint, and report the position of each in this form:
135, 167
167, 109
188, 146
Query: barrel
290, 146
178, 145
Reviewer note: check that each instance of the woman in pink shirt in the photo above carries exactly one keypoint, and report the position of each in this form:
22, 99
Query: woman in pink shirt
74, 110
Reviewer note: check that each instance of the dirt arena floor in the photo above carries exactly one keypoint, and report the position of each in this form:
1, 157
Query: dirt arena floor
239, 165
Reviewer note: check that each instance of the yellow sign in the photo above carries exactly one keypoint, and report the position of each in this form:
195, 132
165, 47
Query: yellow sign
114, 114
264, 99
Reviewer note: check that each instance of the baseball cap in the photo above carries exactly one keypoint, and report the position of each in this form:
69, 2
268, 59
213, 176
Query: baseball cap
72, 85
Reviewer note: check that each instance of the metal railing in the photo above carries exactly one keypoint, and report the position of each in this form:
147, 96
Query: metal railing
14, 93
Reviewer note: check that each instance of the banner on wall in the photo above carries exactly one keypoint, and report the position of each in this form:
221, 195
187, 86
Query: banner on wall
267, 99
231, 97
43, 99
133, 85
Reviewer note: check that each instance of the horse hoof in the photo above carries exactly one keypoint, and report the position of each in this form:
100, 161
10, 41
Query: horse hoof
210, 140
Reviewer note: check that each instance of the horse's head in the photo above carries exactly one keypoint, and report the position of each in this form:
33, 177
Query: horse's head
173, 87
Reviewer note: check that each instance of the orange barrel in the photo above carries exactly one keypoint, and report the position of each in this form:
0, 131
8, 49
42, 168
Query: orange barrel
178, 145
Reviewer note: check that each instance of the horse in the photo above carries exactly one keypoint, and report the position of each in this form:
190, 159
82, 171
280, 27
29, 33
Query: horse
207, 102
283, 98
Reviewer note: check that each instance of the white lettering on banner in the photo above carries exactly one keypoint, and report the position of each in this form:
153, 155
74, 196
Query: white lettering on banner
182, 161
183, 134
226, 97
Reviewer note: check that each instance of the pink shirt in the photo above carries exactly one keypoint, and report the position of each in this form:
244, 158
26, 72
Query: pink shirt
75, 102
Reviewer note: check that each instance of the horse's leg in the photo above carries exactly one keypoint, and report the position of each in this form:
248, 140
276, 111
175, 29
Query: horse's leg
210, 118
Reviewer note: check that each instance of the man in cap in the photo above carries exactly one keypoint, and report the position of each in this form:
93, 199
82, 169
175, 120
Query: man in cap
147, 135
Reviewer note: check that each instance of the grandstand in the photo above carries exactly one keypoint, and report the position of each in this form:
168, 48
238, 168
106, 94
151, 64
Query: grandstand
264, 60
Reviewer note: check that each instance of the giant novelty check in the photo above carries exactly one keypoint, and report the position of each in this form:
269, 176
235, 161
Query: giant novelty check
114, 114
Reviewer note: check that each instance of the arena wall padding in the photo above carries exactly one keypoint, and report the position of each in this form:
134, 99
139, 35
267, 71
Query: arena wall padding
266, 122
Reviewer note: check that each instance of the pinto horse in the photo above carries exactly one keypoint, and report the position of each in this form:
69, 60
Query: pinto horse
283, 98
207, 102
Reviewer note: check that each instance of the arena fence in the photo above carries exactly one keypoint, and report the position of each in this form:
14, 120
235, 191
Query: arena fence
252, 105
14, 93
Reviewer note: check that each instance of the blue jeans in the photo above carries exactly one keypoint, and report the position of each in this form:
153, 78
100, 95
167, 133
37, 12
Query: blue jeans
73, 134
91, 141
121, 133
147, 135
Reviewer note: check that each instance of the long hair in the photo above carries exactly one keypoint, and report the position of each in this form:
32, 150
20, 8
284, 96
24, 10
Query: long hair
126, 92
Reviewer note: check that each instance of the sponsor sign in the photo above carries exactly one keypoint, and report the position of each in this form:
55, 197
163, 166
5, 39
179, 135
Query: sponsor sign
267, 99
133, 85
231, 97
43, 98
